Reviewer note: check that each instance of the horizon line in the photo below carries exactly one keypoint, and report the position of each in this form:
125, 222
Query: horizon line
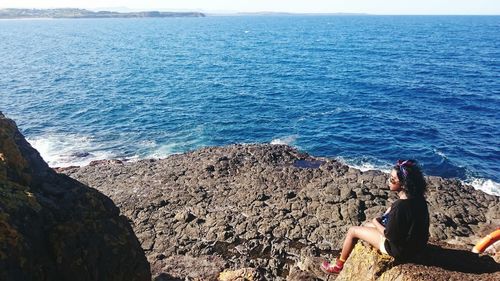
216, 12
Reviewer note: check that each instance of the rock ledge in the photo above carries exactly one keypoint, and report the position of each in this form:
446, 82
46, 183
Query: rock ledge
267, 206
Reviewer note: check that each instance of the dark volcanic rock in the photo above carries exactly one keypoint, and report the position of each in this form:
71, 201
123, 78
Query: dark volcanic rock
190, 268
254, 206
54, 228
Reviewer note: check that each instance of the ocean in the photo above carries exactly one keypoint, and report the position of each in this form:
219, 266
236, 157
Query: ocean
367, 90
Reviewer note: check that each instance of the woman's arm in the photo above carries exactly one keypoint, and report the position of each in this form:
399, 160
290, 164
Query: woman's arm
380, 228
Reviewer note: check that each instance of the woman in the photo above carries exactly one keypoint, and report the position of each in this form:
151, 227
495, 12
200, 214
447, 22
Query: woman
406, 231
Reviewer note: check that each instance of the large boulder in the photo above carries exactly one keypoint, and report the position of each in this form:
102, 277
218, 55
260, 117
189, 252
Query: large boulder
53, 227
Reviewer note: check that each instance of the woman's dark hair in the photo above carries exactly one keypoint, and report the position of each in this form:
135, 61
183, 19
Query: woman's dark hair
411, 178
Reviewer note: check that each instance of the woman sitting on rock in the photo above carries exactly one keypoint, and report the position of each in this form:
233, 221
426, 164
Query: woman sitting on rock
407, 228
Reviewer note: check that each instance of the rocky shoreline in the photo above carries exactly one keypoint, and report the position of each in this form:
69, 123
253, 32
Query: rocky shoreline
241, 212
264, 207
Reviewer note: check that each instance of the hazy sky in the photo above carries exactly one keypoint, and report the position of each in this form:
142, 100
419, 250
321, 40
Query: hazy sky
311, 6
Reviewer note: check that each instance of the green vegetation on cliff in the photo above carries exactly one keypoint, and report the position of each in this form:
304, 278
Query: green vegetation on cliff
82, 13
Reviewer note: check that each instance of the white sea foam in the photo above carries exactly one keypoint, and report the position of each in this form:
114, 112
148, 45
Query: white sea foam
440, 153
486, 185
163, 151
285, 140
148, 143
364, 165
60, 150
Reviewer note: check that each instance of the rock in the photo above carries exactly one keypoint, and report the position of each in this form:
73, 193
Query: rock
438, 263
298, 275
80, 154
184, 267
184, 216
239, 202
309, 269
243, 274
105, 162
365, 263
53, 227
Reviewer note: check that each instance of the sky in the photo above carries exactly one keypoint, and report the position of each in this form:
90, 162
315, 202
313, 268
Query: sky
431, 7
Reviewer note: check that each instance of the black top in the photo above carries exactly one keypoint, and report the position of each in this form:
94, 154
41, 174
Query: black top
407, 229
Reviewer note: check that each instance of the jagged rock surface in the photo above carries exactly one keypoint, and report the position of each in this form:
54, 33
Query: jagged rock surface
265, 206
54, 228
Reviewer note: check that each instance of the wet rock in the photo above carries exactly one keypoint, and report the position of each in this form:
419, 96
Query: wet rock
80, 154
105, 162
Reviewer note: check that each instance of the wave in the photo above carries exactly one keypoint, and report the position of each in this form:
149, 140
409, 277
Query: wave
60, 150
288, 140
486, 185
440, 153
364, 165
163, 151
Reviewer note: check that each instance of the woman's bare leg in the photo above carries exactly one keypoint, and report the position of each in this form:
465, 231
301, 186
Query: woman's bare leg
368, 234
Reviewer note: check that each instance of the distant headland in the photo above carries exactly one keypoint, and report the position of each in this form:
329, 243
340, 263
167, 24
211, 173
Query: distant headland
70, 13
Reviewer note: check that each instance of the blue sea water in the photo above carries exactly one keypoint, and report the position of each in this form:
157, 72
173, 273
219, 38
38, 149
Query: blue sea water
365, 89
